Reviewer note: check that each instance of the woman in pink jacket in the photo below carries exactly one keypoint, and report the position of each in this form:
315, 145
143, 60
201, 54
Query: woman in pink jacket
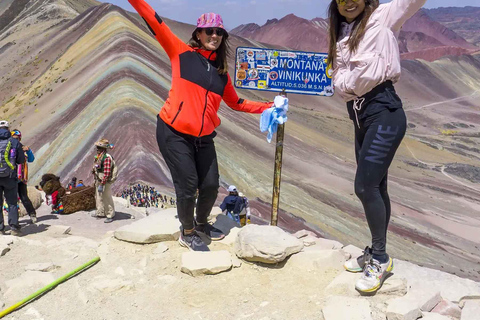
366, 63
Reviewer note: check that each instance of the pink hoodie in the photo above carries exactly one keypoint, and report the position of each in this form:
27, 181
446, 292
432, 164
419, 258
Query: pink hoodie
377, 58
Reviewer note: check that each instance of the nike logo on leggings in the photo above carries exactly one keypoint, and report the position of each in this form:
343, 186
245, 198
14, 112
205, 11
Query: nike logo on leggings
381, 144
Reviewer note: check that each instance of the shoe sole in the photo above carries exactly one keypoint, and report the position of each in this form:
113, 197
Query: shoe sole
209, 237
352, 270
184, 244
373, 291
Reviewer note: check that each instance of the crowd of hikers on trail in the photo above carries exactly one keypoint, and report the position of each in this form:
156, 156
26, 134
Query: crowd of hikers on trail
140, 195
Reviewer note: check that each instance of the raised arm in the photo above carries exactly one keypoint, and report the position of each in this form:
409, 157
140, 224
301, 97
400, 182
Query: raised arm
231, 99
168, 40
399, 11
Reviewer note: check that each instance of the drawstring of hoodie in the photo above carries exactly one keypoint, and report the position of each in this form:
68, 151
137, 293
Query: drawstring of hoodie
357, 106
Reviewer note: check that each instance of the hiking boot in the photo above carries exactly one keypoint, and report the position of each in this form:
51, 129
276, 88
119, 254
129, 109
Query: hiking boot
210, 231
16, 232
33, 219
108, 220
192, 241
374, 274
357, 264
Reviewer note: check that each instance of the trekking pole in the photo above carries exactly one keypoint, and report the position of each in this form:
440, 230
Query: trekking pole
48, 287
278, 171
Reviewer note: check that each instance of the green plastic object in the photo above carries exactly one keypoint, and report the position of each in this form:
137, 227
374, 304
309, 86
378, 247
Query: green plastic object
48, 287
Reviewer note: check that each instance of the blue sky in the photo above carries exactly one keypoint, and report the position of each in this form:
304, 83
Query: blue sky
236, 12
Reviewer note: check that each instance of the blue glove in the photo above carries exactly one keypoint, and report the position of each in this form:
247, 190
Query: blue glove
274, 116
100, 188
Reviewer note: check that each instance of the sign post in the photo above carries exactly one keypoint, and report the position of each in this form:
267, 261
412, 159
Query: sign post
282, 71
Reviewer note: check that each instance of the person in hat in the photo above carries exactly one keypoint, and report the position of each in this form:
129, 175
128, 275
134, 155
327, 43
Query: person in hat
232, 204
23, 177
105, 173
11, 154
80, 183
187, 121
364, 54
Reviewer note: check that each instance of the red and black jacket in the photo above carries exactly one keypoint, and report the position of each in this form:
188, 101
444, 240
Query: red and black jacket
197, 88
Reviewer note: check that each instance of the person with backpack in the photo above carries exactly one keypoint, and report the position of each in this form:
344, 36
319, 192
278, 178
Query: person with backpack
72, 184
232, 204
245, 213
105, 173
365, 57
186, 123
22, 175
11, 154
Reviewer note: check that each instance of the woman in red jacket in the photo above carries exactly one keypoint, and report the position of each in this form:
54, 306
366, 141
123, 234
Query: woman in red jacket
187, 121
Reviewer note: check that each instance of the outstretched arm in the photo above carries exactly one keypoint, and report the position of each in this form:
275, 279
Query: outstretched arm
169, 41
399, 11
233, 101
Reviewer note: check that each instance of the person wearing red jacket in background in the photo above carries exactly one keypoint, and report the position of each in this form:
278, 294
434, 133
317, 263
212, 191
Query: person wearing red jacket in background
187, 121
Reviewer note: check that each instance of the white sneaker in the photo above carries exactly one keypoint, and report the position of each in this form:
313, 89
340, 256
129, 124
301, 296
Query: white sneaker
373, 276
357, 264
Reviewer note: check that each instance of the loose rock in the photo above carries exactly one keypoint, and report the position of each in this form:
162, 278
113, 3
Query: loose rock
200, 263
268, 244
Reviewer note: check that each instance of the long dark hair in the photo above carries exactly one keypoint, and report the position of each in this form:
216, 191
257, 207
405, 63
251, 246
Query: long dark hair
358, 30
223, 51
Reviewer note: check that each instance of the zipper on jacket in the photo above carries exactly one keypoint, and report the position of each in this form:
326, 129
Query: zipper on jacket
178, 112
206, 94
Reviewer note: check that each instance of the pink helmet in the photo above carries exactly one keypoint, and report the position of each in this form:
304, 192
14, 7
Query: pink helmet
210, 20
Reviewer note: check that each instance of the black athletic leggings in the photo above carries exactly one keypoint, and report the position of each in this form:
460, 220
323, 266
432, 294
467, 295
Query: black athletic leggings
193, 165
377, 137
23, 194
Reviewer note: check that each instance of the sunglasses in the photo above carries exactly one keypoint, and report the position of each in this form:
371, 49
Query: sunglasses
344, 2
219, 32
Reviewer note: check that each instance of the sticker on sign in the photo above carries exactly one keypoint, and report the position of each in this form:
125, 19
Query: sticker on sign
278, 70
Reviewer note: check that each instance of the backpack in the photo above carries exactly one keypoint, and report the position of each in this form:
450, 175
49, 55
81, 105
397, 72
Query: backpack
114, 170
8, 156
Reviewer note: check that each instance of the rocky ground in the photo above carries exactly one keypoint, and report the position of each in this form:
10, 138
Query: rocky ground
145, 274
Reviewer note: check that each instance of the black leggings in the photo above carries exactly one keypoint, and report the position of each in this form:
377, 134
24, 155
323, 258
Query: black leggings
377, 138
23, 194
193, 165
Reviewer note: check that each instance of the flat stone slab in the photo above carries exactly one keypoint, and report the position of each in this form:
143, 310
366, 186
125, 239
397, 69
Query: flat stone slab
197, 263
267, 244
346, 308
471, 310
43, 267
434, 316
157, 227
344, 284
394, 286
448, 308
461, 304
451, 287
318, 260
304, 233
403, 309
231, 237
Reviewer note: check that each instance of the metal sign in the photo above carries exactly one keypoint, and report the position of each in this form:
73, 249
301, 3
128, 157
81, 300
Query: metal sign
278, 70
